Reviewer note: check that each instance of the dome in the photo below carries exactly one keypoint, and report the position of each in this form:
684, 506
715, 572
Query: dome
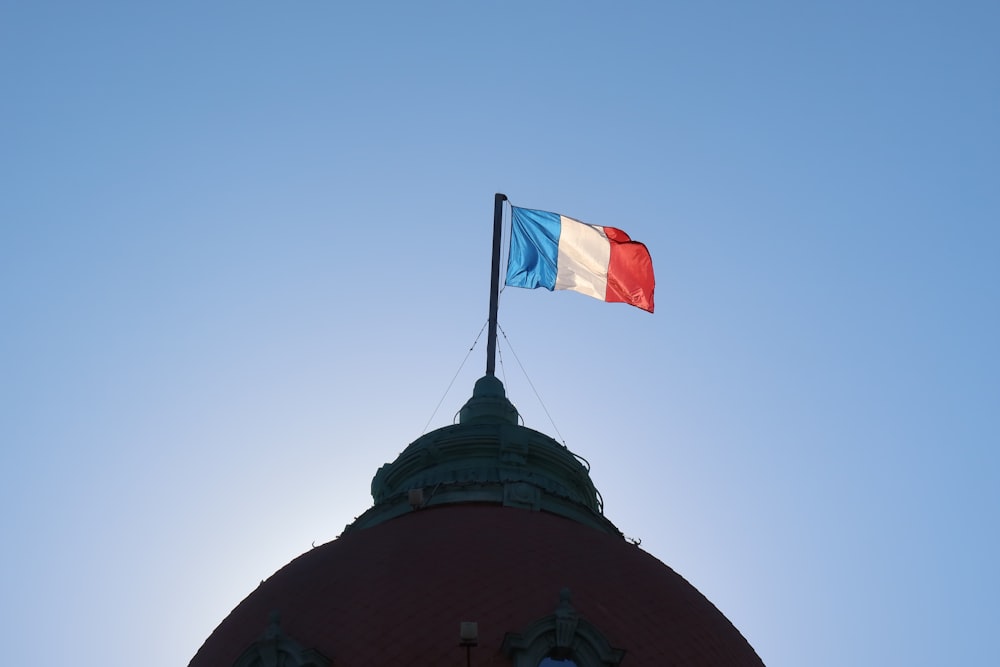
486, 522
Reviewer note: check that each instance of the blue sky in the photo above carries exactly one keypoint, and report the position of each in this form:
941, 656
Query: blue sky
244, 248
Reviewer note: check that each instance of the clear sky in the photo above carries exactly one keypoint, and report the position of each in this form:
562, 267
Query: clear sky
244, 248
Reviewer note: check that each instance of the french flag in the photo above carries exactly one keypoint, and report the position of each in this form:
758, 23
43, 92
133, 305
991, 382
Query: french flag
556, 252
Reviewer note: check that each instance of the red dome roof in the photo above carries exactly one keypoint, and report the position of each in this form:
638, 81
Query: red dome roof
395, 593
484, 521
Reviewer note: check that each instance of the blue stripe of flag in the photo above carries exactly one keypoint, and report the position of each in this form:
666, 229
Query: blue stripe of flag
534, 248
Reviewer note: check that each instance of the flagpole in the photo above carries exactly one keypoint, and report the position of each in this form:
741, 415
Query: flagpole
491, 343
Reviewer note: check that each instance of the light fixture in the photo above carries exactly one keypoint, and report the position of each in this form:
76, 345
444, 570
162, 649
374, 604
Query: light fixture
468, 633
468, 636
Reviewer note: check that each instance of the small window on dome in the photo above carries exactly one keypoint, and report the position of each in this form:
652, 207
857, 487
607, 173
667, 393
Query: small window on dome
561, 639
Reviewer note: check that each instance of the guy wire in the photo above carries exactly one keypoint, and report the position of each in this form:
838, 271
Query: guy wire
460, 366
532, 385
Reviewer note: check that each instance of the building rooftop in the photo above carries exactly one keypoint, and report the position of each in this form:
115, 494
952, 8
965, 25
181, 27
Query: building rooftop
484, 521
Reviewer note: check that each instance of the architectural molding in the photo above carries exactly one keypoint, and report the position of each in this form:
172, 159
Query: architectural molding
562, 635
277, 649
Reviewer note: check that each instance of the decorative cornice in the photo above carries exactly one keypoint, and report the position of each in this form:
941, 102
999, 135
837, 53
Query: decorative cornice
276, 649
486, 458
562, 635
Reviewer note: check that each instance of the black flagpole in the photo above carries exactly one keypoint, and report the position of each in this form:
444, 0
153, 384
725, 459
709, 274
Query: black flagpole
491, 343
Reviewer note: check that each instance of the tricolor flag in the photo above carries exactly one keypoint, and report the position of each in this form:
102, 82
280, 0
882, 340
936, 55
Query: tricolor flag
555, 252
